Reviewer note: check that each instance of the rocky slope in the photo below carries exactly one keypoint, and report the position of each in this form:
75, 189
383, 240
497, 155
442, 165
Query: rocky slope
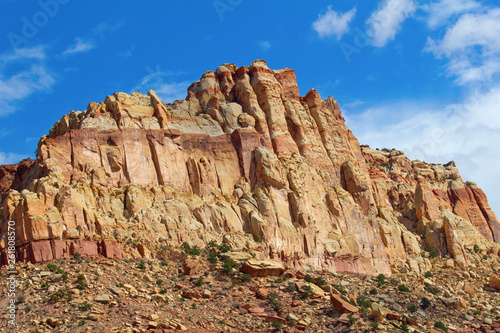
206, 295
243, 160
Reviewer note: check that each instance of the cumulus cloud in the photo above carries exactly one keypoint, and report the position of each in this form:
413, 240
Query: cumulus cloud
27, 75
472, 47
466, 132
440, 12
333, 23
80, 46
385, 22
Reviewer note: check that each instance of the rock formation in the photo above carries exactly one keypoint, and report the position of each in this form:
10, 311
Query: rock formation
246, 160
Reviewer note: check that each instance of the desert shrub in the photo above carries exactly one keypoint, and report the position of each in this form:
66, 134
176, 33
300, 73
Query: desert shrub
246, 277
340, 288
432, 252
441, 326
224, 248
381, 279
425, 303
363, 302
309, 278
403, 288
193, 251
412, 308
198, 282
306, 292
320, 281
431, 289
212, 257
228, 266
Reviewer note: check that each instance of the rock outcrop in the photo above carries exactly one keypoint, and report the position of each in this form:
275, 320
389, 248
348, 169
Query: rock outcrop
246, 160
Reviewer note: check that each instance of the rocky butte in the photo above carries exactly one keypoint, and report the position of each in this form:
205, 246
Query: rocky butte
246, 160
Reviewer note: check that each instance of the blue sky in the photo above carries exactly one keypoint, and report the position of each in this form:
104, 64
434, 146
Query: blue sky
420, 76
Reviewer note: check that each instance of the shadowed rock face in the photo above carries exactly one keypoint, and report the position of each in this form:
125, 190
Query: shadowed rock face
244, 159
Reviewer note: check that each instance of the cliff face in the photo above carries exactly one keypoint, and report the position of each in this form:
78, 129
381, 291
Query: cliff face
244, 159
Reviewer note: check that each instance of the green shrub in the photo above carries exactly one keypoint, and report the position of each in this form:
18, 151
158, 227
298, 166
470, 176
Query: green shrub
431, 289
246, 277
432, 252
440, 325
403, 288
228, 266
373, 291
306, 292
198, 282
363, 302
193, 251
309, 278
351, 318
280, 280
476, 248
381, 279
85, 306
428, 275
212, 257
80, 284
277, 324
320, 281
142, 265
212, 244
425, 303
291, 287
412, 308
340, 288
224, 248
52, 267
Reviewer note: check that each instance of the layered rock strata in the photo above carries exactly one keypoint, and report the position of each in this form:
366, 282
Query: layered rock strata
243, 159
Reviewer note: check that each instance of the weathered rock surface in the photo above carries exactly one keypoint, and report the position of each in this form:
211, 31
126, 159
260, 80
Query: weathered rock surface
243, 159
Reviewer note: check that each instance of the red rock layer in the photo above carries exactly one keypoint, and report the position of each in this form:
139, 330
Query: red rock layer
244, 159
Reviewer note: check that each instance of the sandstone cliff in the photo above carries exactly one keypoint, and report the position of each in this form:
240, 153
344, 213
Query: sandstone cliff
246, 160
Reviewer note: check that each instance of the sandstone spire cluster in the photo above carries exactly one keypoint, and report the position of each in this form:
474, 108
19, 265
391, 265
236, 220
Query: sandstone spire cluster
246, 160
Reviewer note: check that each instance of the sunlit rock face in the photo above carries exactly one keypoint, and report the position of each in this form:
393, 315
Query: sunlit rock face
243, 159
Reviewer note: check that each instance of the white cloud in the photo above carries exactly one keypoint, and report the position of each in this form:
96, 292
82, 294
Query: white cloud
385, 22
265, 45
30, 76
37, 53
161, 82
10, 158
333, 23
79, 47
467, 132
472, 47
105, 28
170, 92
440, 11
